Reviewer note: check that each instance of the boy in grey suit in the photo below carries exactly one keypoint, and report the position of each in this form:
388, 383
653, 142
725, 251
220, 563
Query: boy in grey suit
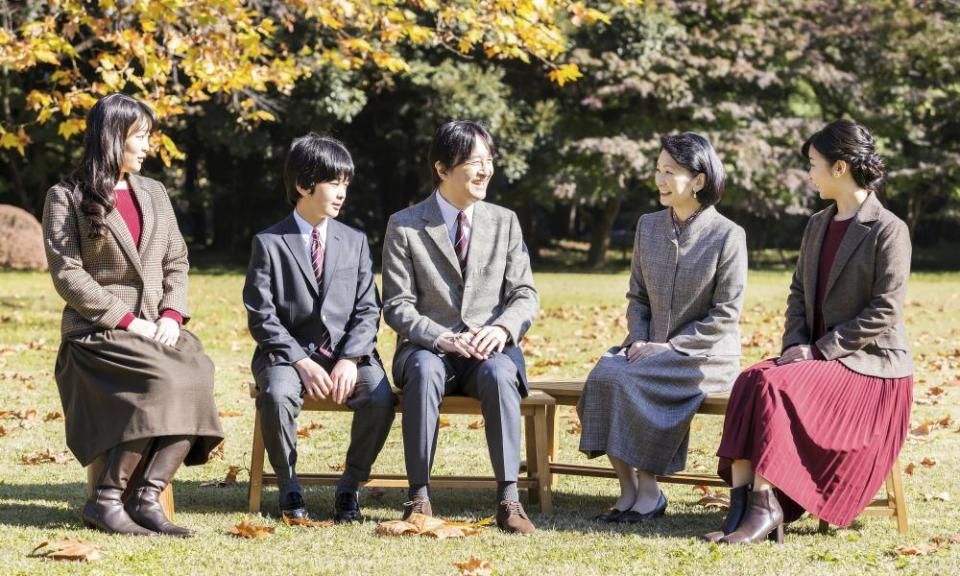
459, 292
313, 309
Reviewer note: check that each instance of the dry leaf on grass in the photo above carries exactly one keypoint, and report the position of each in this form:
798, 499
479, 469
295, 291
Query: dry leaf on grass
935, 391
307, 522
429, 526
230, 413
920, 550
909, 469
444, 423
45, 457
76, 550
229, 480
3, 431
928, 462
474, 567
219, 452
338, 467
476, 424
942, 496
53, 416
247, 530
942, 540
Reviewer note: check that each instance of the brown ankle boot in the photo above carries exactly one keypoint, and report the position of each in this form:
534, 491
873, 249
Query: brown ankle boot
738, 507
143, 505
104, 510
416, 506
512, 519
763, 517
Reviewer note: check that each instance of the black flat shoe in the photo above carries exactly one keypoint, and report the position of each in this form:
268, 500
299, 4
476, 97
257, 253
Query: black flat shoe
346, 508
295, 509
634, 517
611, 516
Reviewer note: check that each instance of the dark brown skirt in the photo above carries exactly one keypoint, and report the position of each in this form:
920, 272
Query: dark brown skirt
116, 386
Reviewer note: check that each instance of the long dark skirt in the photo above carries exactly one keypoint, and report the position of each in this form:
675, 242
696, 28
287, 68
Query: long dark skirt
824, 435
116, 386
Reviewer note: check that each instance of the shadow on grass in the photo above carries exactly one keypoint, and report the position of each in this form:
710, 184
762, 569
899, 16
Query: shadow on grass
59, 505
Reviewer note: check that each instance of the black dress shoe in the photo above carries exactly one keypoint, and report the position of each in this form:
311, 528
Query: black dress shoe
611, 516
346, 508
634, 517
294, 509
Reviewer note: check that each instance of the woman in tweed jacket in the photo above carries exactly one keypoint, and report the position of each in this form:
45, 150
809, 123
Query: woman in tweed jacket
687, 281
137, 391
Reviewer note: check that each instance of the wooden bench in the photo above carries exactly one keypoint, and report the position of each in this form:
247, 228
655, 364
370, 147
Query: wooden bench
166, 497
538, 481
568, 392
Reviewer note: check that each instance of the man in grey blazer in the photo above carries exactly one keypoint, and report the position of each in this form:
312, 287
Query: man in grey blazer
459, 292
313, 309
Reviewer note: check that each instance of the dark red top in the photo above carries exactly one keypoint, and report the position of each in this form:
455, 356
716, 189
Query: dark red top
129, 210
828, 253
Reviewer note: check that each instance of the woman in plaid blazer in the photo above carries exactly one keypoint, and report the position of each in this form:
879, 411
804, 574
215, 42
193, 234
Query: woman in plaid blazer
136, 389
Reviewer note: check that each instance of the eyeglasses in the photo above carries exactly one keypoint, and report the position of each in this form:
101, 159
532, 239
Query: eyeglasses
478, 162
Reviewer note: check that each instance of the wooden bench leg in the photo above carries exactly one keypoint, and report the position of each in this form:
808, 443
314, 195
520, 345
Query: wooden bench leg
542, 456
553, 431
533, 496
255, 490
899, 503
823, 527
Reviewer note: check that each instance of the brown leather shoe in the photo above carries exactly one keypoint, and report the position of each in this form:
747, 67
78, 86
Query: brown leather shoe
512, 519
163, 460
763, 517
735, 514
104, 510
416, 506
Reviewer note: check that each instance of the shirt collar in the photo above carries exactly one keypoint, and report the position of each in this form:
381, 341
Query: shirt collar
306, 228
449, 211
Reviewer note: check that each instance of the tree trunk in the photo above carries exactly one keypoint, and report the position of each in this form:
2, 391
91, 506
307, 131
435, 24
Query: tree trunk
600, 239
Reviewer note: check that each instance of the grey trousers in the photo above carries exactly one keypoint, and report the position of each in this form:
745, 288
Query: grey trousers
280, 399
428, 377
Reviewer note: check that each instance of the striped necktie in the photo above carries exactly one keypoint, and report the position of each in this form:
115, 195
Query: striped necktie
461, 242
316, 252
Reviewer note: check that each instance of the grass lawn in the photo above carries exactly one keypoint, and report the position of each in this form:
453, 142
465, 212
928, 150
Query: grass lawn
581, 316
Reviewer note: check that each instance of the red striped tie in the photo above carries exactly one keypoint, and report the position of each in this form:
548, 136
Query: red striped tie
461, 242
317, 253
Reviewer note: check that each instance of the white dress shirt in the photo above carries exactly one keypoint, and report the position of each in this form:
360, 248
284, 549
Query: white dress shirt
449, 213
306, 233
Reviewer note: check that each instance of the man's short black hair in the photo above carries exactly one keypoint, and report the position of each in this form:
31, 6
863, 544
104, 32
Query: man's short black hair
313, 159
453, 142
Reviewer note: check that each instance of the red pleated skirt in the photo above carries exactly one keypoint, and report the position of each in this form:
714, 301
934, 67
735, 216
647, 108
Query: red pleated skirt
824, 435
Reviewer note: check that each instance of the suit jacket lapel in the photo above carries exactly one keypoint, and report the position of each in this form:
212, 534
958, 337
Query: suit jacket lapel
811, 263
294, 242
147, 210
115, 223
481, 239
331, 255
857, 231
437, 230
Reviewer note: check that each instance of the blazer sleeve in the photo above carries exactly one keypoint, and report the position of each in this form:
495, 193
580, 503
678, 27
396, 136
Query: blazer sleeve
175, 263
888, 295
271, 336
521, 301
400, 291
638, 300
61, 239
795, 329
727, 302
360, 337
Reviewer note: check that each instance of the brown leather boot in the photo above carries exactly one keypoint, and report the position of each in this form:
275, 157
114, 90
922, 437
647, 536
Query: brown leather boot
143, 505
416, 506
104, 510
512, 519
738, 507
763, 516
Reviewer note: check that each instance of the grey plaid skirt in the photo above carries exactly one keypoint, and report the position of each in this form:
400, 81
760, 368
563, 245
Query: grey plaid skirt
640, 413
116, 386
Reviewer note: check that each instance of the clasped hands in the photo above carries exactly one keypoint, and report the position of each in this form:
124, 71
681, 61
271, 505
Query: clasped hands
338, 385
796, 353
165, 330
477, 343
642, 349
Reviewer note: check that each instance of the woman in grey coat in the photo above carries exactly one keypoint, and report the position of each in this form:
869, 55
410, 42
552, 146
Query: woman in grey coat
687, 281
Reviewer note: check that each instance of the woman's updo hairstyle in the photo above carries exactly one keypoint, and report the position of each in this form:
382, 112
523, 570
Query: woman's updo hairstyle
852, 143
